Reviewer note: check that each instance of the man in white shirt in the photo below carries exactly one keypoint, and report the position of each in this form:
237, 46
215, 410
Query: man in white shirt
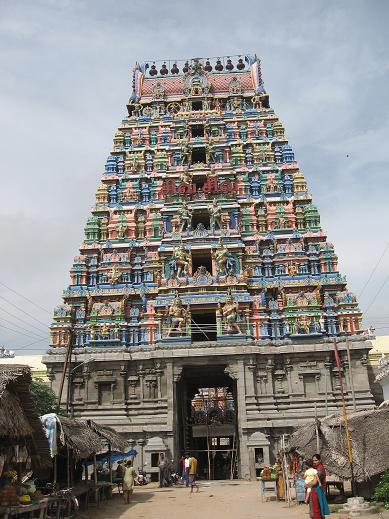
186, 466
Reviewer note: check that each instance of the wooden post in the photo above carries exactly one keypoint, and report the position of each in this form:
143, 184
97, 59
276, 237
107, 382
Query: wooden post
110, 462
232, 457
94, 468
68, 465
55, 470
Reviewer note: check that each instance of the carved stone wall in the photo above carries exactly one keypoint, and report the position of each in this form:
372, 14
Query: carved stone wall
277, 388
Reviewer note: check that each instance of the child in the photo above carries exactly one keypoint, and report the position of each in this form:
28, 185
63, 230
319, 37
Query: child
309, 476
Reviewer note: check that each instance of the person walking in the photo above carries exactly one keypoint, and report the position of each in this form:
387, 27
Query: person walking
128, 481
186, 468
318, 506
193, 474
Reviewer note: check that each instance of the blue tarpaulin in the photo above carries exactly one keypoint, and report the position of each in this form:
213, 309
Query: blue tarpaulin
103, 458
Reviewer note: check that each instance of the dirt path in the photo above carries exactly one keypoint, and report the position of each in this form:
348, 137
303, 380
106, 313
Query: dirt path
216, 500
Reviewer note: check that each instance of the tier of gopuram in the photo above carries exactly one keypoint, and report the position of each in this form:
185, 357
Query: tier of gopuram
205, 300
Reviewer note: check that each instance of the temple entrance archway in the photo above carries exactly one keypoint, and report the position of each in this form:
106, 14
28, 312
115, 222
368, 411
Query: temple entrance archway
207, 420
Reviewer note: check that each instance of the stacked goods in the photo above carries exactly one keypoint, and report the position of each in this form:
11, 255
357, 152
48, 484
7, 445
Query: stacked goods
8, 496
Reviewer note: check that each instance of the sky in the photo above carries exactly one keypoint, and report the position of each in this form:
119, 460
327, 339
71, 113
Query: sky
66, 70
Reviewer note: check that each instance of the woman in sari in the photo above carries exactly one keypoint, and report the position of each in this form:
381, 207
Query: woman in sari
128, 481
318, 507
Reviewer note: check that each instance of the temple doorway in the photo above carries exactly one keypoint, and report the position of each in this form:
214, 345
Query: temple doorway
208, 421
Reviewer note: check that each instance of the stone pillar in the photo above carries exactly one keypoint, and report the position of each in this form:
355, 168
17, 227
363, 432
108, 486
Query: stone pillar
237, 373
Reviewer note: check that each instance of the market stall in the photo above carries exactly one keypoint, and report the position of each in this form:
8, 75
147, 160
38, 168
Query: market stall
115, 444
24, 449
74, 446
369, 438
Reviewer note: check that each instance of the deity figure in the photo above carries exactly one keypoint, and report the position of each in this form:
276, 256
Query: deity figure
322, 323
211, 149
303, 324
186, 176
292, 269
121, 229
186, 216
89, 302
229, 313
135, 164
328, 301
104, 331
224, 260
114, 275
186, 154
256, 100
271, 184
140, 226
225, 220
178, 317
214, 215
179, 264
176, 223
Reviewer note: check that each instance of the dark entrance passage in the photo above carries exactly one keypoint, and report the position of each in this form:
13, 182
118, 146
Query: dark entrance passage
203, 326
207, 420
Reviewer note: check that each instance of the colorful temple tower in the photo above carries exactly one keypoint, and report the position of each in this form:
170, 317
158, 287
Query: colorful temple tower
205, 271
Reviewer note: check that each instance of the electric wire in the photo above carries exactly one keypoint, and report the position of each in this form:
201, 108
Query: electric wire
377, 294
2, 309
29, 344
373, 271
23, 311
24, 297
19, 327
16, 331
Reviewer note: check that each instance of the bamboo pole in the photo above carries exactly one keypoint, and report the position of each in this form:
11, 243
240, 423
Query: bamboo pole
345, 418
317, 430
351, 374
326, 390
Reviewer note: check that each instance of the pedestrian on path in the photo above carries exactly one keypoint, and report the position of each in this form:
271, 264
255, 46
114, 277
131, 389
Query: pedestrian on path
128, 481
193, 474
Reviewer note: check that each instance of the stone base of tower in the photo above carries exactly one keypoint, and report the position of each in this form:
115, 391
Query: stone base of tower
147, 395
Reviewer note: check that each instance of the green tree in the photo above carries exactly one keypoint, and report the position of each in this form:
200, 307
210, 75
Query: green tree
43, 397
381, 492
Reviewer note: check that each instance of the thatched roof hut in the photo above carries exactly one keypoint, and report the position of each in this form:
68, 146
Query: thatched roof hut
79, 438
19, 422
369, 433
116, 442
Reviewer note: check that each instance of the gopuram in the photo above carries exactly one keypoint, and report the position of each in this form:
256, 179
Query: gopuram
203, 306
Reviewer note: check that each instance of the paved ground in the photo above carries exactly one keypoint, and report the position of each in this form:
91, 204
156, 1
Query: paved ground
216, 500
